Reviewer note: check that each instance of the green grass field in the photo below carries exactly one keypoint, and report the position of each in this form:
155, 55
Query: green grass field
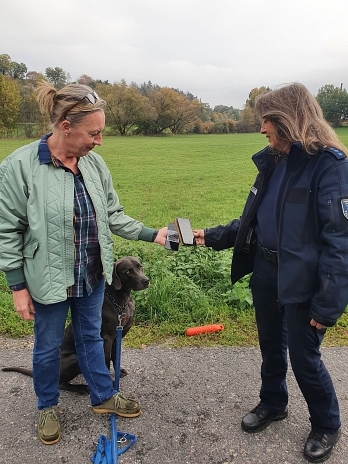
205, 178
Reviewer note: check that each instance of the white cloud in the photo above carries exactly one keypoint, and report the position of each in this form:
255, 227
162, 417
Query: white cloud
216, 49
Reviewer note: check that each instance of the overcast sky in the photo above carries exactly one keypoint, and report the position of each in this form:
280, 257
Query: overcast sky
216, 49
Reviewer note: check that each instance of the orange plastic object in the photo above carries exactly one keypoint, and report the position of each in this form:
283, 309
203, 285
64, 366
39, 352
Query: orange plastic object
204, 328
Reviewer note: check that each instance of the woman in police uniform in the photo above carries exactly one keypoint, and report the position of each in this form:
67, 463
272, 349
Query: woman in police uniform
293, 237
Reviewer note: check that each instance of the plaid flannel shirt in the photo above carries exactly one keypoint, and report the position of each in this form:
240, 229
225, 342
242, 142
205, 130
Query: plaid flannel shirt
87, 267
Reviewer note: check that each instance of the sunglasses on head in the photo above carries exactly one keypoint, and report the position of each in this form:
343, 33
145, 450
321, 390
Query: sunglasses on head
92, 97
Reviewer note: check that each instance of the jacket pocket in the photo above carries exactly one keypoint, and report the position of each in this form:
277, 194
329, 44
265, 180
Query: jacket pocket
30, 249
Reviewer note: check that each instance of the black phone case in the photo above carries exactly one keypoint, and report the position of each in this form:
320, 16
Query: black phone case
172, 241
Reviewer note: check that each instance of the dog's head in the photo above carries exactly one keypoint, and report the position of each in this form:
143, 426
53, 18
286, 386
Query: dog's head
128, 274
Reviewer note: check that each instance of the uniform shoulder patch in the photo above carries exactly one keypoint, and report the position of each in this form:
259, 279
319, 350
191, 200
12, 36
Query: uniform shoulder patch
336, 152
344, 205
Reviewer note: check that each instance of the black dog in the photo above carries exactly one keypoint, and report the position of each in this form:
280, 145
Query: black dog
118, 308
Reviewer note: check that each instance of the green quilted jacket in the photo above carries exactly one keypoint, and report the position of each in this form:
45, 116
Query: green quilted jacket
36, 221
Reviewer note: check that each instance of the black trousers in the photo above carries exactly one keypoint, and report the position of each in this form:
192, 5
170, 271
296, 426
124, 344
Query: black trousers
283, 328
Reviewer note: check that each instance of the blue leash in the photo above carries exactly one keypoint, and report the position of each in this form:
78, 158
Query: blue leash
107, 451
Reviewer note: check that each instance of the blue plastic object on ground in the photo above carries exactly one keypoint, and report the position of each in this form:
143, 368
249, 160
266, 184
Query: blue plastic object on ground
107, 451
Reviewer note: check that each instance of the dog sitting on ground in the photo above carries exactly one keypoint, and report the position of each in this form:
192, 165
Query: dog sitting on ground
118, 307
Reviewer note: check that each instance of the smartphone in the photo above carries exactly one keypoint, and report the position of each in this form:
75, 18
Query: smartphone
185, 231
172, 240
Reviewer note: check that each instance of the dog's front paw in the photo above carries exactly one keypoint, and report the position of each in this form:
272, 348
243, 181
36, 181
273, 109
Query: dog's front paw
81, 389
123, 372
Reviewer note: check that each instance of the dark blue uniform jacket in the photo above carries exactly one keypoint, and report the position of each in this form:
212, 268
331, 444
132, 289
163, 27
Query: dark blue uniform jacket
312, 230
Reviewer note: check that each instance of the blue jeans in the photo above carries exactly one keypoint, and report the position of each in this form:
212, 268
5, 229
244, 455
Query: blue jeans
49, 332
287, 327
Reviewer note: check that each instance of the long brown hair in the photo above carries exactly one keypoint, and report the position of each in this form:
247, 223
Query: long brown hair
297, 116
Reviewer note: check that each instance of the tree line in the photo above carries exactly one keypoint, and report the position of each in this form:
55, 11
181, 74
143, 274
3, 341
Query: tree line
133, 109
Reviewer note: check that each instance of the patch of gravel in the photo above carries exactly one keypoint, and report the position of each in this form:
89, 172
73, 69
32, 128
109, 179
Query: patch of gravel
193, 400
16, 343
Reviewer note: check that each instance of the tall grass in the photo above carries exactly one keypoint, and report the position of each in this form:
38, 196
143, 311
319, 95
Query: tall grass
206, 179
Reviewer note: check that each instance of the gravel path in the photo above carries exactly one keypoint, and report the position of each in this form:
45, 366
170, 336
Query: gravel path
192, 400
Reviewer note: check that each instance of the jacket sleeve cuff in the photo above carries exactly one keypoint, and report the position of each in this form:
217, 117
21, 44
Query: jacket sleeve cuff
16, 288
146, 234
207, 238
322, 320
221, 237
15, 277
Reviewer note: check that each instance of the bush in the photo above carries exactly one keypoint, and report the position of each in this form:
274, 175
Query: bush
190, 286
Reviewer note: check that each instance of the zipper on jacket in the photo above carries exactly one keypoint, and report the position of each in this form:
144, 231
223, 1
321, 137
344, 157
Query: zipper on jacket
325, 285
251, 213
331, 213
280, 224
248, 240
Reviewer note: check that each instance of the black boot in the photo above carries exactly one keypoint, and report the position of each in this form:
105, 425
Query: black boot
318, 446
259, 418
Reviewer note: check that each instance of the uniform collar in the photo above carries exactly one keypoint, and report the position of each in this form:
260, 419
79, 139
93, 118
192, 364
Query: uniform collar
264, 159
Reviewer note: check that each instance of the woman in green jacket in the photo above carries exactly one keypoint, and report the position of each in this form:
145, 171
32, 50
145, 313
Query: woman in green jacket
58, 210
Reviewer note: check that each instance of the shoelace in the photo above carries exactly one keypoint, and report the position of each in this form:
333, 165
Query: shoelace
259, 411
45, 415
316, 436
118, 398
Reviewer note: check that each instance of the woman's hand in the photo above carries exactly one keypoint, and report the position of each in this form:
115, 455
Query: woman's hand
199, 236
316, 324
161, 236
23, 304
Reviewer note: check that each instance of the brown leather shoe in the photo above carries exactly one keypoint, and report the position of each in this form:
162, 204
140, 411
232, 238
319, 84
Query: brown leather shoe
120, 405
48, 426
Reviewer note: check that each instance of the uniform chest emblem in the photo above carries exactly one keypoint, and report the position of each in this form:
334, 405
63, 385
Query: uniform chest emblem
344, 204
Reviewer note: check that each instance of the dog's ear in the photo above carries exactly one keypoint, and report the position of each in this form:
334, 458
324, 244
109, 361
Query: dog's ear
116, 281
